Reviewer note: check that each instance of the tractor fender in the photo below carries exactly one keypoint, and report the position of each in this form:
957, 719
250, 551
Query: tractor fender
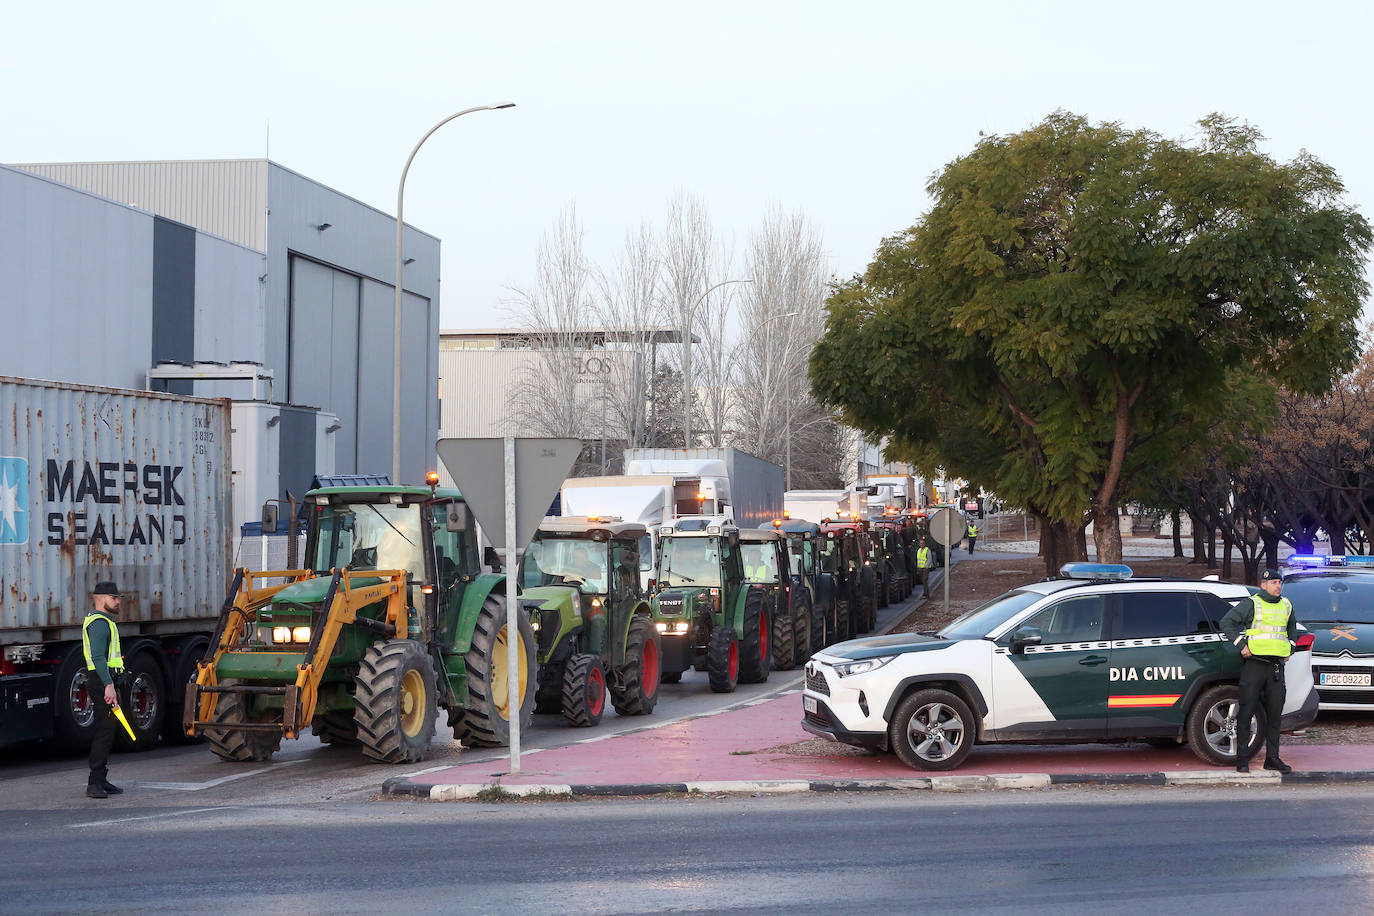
734, 616
477, 592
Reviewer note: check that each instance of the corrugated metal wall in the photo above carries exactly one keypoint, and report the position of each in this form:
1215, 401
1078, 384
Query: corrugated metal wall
225, 197
101, 483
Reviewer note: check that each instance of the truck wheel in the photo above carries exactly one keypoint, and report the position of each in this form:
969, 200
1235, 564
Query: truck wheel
144, 700
337, 727
584, 691
485, 722
932, 729
722, 660
239, 745
394, 701
642, 671
842, 621
1211, 726
755, 648
73, 696
183, 672
783, 639
801, 628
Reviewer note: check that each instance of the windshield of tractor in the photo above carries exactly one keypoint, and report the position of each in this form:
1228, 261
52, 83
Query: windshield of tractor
802, 552
370, 536
760, 562
690, 561
565, 561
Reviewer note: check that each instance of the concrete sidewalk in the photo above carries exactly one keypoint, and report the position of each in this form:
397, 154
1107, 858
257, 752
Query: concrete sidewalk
763, 748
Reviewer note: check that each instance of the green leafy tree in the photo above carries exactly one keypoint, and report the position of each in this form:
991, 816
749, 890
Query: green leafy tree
1068, 310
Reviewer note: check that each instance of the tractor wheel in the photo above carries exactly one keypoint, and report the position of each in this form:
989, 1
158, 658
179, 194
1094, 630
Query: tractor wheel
755, 647
549, 695
641, 672
235, 744
802, 647
842, 621
818, 622
722, 659
485, 722
784, 640
896, 590
670, 677
882, 589
869, 614
394, 701
336, 727
584, 690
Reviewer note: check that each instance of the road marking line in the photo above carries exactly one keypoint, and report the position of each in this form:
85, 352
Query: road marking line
149, 817
210, 784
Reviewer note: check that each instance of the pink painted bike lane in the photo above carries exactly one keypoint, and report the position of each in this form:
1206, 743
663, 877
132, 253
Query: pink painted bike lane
747, 744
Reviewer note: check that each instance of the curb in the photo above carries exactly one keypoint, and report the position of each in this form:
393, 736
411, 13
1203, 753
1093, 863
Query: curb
1182, 778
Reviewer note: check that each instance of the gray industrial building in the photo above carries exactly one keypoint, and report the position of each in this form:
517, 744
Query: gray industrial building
233, 278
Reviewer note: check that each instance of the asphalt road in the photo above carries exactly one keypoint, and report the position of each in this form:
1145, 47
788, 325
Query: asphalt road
1257, 849
305, 771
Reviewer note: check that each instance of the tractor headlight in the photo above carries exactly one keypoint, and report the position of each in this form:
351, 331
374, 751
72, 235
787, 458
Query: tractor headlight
863, 666
281, 634
680, 628
534, 623
300, 634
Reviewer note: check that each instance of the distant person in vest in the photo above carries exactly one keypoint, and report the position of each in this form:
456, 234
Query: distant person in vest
925, 562
100, 642
1264, 628
972, 534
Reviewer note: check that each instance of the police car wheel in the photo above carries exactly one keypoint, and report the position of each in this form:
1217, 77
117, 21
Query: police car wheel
932, 729
1211, 726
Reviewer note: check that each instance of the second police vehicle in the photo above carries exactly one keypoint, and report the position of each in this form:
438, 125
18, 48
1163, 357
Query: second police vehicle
1334, 598
1095, 655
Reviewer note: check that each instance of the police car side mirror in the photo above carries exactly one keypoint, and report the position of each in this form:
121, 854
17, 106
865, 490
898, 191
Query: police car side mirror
1026, 636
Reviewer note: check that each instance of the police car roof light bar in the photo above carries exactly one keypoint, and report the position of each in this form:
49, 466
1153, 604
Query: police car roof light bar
1306, 559
1357, 560
1095, 571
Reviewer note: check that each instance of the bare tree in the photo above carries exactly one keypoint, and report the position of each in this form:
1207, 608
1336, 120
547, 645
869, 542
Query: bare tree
686, 254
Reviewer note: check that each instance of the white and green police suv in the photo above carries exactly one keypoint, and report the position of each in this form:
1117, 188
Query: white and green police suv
1334, 598
1095, 655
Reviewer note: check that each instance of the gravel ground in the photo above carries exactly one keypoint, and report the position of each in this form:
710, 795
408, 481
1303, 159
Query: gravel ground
977, 580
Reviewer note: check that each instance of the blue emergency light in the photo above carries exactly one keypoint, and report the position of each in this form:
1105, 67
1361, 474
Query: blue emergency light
1355, 560
1309, 559
1095, 571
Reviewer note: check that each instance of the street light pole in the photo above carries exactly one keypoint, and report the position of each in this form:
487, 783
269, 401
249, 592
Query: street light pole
687, 359
400, 292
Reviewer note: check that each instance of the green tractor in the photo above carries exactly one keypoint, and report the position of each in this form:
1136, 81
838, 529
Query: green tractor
392, 620
844, 554
580, 580
804, 548
767, 565
710, 618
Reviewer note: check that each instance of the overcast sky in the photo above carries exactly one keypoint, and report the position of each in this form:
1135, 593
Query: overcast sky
841, 110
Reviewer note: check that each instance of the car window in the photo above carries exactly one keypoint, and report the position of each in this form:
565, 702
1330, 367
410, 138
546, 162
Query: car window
1339, 599
1154, 615
1077, 619
986, 618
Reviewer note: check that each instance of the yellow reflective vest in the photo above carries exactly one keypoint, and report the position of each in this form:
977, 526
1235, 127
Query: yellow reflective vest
1268, 632
114, 658
924, 559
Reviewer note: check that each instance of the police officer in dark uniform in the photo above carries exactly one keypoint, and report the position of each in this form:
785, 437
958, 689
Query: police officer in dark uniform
104, 660
1264, 627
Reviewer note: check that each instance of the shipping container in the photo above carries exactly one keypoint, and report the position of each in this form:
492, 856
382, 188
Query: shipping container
104, 484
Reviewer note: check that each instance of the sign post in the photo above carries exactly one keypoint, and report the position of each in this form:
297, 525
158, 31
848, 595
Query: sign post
942, 529
509, 483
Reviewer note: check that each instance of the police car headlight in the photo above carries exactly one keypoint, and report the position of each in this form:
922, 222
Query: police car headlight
863, 666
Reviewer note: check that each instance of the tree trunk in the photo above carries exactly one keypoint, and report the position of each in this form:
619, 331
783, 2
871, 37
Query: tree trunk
1062, 543
1226, 545
1271, 549
1337, 533
1251, 565
1177, 518
1211, 548
1106, 534
1199, 544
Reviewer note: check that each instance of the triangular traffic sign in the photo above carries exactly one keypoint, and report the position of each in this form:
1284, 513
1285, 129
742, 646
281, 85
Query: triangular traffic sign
478, 468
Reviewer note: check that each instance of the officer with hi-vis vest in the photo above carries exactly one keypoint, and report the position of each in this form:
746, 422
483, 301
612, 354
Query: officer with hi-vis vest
100, 642
925, 562
1264, 627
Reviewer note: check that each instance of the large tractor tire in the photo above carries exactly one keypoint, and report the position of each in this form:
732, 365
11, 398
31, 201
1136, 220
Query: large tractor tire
868, 611
584, 690
395, 701
640, 675
783, 638
239, 745
818, 627
143, 697
755, 647
485, 721
882, 589
722, 659
843, 624
337, 727
802, 647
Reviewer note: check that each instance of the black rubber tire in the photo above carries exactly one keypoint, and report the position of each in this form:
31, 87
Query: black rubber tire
143, 697
183, 672
482, 723
584, 690
723, 660
75, 717
755, 648
869, 614
548, 697
670, 677
881, 589
240, 746
336, 727
783, 639
919, 709
843, 620
395, 701
1210, 726
642, 672
818, 628
802, 623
